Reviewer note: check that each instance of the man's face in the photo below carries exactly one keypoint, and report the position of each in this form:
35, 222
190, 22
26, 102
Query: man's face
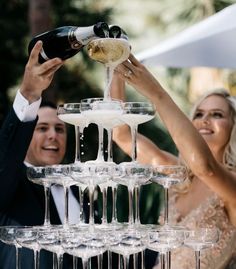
48, 144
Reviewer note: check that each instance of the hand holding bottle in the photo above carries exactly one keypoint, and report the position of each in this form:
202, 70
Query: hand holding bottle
37, 77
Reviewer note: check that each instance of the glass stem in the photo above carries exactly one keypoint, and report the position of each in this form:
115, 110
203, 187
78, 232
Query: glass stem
100, 155
100, 261
60, 261
85, 263
77, 144
143, 259
126, 262
91, 207
109, 145
104, 205
54, 258
114, 199
168, 260
131, 213
81, 202
119, 262
36, 259
109, 259
18, 260
197, 258
166, 210
66, 197
47, 201
75, 262
162, 260
135, 259
137, 213
134, 130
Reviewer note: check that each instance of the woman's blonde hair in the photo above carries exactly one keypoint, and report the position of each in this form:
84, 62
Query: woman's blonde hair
229, 157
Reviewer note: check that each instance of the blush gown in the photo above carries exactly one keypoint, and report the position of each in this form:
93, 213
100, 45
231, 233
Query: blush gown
210, 213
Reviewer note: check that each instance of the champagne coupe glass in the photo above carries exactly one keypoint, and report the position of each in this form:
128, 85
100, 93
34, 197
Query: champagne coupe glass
168, 175
130, 241
28, 237
37, 175
163, 240
200, 239
109, 125
111, 238
136, 113
132, 175
71, 114
105, 113
79, 174
93, 173
50, 239
83, 243
8, 236
59, 174
111, 52
136, 174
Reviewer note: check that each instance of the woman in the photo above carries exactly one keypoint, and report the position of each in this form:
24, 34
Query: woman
206, 144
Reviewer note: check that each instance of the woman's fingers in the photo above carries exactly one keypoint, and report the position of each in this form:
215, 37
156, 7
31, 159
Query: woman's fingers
133, 60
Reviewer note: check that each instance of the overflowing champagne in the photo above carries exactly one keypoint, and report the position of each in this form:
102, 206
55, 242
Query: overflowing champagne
109, 51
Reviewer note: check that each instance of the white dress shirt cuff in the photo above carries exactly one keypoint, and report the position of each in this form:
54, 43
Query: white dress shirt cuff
25, 111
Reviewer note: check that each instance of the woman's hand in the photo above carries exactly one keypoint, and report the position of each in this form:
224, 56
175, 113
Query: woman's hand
137, 75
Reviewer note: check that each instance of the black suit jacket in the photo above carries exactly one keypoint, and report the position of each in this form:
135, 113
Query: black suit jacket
21, 201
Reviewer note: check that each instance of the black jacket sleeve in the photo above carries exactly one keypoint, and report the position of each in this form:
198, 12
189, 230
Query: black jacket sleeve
15, 137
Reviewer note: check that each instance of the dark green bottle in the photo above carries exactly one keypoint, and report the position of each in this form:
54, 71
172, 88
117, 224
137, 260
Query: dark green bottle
66, 41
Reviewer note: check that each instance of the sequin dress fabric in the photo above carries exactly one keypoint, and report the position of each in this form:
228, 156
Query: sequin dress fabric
210, 213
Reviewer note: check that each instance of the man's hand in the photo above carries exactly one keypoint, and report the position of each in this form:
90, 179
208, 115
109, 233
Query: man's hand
37, 77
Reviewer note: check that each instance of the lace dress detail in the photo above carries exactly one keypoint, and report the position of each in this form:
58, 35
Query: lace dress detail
210, 213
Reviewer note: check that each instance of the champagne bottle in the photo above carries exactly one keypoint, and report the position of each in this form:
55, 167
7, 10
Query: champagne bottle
66, 41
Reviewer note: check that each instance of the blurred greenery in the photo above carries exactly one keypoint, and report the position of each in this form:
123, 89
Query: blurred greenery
76, 80
79, 77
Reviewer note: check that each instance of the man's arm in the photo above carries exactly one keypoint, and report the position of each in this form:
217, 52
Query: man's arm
18, 127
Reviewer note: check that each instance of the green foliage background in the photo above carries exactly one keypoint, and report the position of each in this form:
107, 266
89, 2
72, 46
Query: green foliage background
79, 77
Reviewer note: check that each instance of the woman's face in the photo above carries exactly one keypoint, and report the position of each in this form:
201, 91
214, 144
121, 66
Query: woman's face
214, 122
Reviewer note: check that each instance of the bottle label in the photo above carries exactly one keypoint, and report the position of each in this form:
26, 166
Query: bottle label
75, 44
84, 34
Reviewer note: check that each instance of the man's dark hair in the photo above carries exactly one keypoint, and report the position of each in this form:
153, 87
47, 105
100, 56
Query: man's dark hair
46, 103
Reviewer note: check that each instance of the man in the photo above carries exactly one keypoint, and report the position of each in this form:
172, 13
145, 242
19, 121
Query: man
21, 201
48, 144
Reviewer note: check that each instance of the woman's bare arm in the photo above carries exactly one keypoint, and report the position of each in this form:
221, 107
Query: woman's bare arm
189, 142
147, 151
